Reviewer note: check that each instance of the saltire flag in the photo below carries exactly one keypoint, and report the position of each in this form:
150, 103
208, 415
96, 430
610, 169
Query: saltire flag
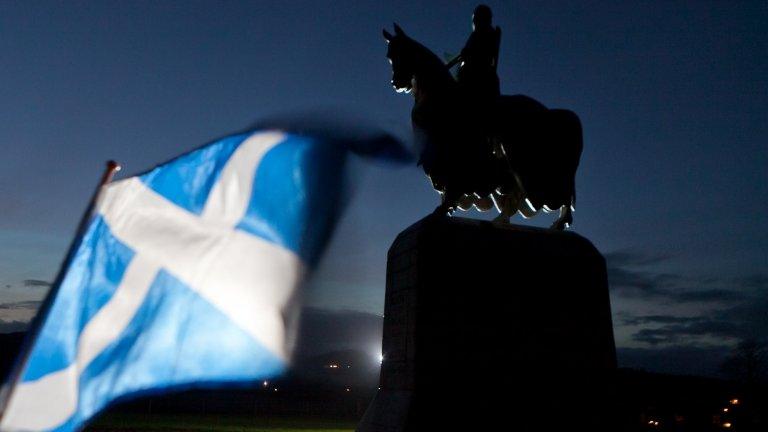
187, 275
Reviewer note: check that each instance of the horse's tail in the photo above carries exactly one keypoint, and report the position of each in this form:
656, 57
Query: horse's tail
570, 125
573, 198
571, 144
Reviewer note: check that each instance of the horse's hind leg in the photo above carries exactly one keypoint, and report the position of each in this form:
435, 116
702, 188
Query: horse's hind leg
565, 220
450, 203
506, 205
500, 201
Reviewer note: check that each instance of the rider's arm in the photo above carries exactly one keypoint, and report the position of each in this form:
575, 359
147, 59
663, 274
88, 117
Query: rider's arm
453, 62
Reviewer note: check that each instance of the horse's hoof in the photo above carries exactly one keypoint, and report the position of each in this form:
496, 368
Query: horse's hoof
442, 211
501, 219
561, 225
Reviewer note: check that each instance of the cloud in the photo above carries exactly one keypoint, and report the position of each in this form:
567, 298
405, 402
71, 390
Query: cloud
718, 310
639, 283
707, 295
12, 326
15, 316
751, 314
629, 275
657, 319
755, 281
323, 330
21, 305
687, 332
678, 360
36, 283
742, 318
631, 258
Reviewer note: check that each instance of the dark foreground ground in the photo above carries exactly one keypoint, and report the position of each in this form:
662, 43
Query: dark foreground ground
215, 423
320, 398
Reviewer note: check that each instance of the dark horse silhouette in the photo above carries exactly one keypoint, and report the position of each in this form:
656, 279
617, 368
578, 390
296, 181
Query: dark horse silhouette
515, 153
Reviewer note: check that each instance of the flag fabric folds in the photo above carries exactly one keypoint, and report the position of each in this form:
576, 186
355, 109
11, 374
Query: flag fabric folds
186, 276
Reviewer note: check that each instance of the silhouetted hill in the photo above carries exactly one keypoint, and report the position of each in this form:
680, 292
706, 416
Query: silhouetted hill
10, 343
348, 366
687, 403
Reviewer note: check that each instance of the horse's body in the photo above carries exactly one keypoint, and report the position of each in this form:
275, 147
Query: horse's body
512, 151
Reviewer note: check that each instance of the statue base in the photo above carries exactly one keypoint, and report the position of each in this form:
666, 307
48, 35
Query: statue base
491, 327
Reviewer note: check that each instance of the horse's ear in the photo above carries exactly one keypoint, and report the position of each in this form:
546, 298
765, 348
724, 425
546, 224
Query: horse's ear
398, 30
387, 35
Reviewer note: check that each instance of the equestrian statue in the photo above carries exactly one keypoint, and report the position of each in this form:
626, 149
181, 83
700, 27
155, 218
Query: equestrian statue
480, 148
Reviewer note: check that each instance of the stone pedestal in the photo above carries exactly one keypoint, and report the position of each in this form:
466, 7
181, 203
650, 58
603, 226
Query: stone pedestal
492, 327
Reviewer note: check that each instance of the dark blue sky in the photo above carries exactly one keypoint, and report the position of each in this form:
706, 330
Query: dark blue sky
673, 98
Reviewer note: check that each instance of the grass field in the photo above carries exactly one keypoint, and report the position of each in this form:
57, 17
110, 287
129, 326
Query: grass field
214, 423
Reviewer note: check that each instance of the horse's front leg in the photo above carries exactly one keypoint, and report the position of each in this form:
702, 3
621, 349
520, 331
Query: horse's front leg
565, 220
450, 201
507, 205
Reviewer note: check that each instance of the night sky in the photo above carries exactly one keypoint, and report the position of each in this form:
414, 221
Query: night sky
673, 97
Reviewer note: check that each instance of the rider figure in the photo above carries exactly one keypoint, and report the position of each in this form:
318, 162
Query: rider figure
479, 85
479, 58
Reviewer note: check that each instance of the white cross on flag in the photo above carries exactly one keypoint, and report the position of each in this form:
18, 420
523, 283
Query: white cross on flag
186, 276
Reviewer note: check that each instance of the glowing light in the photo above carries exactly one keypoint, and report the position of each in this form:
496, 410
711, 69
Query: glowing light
381, 358
727, 425
349, 389
265, 383
725, 409
734, 401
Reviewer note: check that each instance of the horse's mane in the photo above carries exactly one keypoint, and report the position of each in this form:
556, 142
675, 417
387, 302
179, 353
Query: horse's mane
431, 62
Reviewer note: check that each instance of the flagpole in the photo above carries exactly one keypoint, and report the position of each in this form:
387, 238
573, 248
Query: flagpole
112, 167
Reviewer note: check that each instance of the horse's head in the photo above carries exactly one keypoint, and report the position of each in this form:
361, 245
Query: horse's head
400, 55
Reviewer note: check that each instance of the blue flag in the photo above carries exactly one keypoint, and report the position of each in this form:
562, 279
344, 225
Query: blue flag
187, 275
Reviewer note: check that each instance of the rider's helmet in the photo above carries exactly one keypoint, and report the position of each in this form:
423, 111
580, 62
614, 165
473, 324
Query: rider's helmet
482, 16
